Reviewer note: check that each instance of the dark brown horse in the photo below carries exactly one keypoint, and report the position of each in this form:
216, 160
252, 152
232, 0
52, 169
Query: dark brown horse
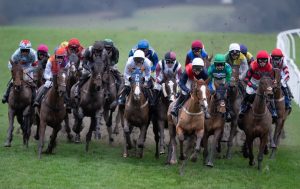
73, 73
19, 103
135, 113
39, 73
190, 122
235, 99
258, 120
159, 116
52, 111
215, 125
281, 111
91, 100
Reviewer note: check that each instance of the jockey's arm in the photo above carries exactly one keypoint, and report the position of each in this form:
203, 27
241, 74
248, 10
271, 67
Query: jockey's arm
248, 77
228, 73
48, 72
115, 58
178, 73
154, 60
147, 70
128, 70
243, 68
182, 82
158, 73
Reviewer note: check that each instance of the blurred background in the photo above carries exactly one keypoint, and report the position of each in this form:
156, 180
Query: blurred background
250, 16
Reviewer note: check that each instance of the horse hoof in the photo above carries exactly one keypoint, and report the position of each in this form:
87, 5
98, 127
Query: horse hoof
210, 164
125, 155
194, 158
182, 157
36, 137
251, 163
173, 162
70, 137
228, 156
7, 144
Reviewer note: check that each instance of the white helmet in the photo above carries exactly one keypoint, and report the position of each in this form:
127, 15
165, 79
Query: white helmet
25, 44
139, 54
197, 62
234, 47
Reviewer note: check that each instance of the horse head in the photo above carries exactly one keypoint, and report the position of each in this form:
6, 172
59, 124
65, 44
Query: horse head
74, 64
98, 69
220, 96
169, 88
17, 75
199, 92
234, 76
136, 82
266, 84
61, 81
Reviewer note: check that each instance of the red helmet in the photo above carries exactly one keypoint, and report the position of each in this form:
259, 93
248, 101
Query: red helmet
61, 52
43, 48
277, 52
74, 42
262, 54
197, 44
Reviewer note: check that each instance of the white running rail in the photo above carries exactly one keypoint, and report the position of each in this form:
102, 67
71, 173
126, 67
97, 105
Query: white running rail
286, 42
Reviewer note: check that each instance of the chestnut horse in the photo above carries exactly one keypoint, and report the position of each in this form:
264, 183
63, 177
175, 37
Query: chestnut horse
19, 103
190, 122
215, 125
135, 113
257, 121
159, 116
52, 111
91, 101
281, 111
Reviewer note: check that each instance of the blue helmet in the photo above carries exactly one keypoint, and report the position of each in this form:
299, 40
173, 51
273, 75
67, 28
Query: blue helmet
143, 44
244, 49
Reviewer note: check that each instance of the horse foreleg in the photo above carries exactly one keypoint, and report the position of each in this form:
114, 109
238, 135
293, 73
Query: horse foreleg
162, 136
199, 135
42, 136
205, 146
11, 115
67, 127
77, 128
26, 125
171, 158
117, 122
37, 119
277, 133
52, 142
89, 134
233, 131
217, 135
127, 140
156, 137
141, 140
263, 143
109, 128
250, 148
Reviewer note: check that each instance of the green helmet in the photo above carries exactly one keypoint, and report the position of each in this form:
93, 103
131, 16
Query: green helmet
108, 43
219, 59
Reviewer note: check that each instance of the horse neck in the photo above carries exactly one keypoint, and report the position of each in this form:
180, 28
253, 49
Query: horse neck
277, 93
259, 103
192, 105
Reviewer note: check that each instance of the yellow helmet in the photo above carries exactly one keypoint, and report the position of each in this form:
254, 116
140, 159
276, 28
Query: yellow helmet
64, 44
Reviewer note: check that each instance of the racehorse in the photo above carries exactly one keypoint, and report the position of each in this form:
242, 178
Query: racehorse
215, 125
159, 116
235, 99
91, 100
281, 111
52, 111
190, 122
258, 120
135, 113
19, 103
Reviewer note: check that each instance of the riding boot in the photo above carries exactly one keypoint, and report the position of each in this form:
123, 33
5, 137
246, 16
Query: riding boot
287, 98
39, 96
272, 109
179, 102
6, 94
245, 105
124, 94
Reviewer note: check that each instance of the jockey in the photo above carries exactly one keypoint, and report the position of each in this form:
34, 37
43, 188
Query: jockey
277, 60
197, 50
89, 57
234, 57
220, 71
113, 55
195, 70
166, 67
149, 52
137, 61
75, 47
247, 54
27, 57
54, 63
260, 65
43, 55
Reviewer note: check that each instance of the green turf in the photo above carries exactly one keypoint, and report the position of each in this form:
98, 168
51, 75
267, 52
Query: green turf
103, 166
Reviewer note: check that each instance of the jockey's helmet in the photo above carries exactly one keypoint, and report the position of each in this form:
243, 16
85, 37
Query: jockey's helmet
60, 54
219, 60
138, 56
234, 50
197, 64
197, 44
143, 44
43, 48
244, 49
277, 58
262, 58
170, 57
25, 46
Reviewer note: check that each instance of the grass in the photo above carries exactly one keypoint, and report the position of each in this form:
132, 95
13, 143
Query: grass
103, 166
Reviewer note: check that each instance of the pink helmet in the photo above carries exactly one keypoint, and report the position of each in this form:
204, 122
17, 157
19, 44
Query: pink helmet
43, 48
